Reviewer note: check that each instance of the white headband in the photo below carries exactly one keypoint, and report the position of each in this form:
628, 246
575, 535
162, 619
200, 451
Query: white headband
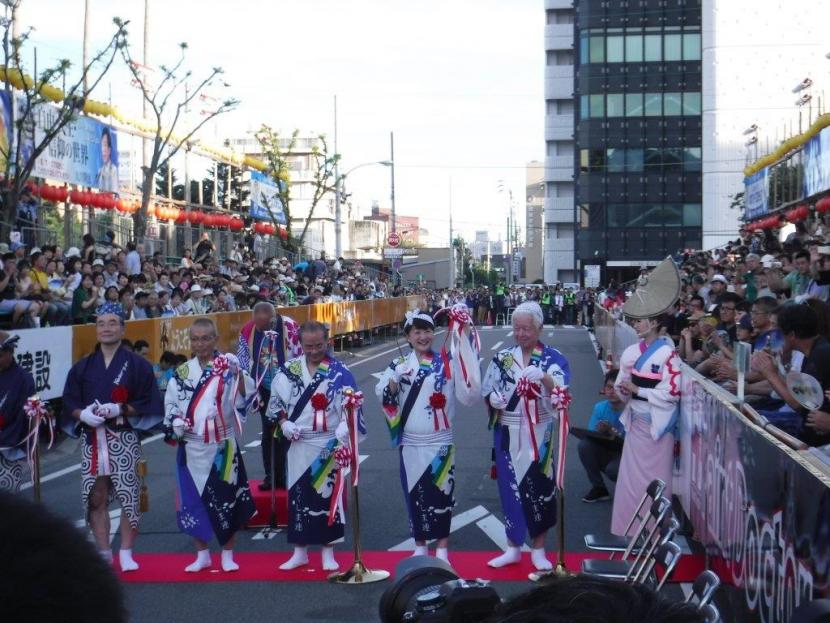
416, 313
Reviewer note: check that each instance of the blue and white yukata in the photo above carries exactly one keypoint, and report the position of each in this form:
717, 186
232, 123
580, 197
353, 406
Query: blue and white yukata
523, 451
649, 419
213, 497
296, 395
419, 417
113, 449
16, 386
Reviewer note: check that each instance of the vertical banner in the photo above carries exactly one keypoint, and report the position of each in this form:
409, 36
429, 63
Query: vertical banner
817, 163
756, 196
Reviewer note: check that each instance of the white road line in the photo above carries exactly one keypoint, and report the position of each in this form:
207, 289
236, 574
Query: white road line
494, 529
77, 467
510, 334
458, 521
377, 375
496, 345
595, 344
115, 523
254, 444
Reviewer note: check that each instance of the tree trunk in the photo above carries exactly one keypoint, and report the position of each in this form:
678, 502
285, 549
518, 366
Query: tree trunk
140, 217
9, 212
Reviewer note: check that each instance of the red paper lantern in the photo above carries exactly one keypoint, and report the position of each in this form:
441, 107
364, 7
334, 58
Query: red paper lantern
823, 205
61, 193
74, 196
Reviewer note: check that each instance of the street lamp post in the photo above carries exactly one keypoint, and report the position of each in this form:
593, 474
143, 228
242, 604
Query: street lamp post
338, 185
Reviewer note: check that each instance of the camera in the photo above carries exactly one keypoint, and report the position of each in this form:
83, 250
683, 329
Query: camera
428, 590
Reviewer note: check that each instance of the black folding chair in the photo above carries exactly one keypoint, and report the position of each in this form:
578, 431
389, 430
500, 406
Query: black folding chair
614, 543
710, 613
667, 556
703, 588
651, 535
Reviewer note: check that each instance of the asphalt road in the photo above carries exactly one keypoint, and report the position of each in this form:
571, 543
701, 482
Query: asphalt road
384, 523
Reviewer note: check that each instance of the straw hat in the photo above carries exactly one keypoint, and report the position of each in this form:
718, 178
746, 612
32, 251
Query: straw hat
655, 292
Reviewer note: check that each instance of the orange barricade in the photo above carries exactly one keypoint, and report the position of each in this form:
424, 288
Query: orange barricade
172, 333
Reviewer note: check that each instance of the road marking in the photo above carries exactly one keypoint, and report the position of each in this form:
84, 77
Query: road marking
595, 344
494, 528
115, 524
77, 467
377, 375
510, 334
496, 345
458, 521
254, 444
266, 534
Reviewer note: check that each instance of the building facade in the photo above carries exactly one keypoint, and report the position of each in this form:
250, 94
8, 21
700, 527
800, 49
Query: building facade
533, 252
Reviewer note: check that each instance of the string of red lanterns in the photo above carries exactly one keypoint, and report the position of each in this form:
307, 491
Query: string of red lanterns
109, 201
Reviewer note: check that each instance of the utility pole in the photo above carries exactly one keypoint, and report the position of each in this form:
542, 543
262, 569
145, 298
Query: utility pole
85, 59
452, 246
338, 232
392, 160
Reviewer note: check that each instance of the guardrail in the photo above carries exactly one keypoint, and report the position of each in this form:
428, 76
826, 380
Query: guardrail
757, 498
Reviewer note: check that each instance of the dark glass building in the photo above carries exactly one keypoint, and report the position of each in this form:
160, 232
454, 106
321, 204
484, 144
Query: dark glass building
637, 89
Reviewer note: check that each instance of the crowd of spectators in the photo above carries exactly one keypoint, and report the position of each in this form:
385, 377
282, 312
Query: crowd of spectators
48, 285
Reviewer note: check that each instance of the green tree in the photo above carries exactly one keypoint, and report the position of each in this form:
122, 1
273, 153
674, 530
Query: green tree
277, 152
38, 99
232, 195
169, 99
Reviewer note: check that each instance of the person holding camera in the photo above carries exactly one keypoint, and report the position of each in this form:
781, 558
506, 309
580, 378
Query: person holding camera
418, 395
518, 387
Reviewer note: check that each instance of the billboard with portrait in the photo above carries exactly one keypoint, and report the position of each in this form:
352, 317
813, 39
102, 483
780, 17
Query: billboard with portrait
817, 163
265, 198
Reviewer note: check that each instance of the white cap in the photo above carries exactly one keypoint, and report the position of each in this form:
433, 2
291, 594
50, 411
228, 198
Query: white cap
720, 278
208, 291
196, 288
72, 252
34, 250
254, 288
98, 262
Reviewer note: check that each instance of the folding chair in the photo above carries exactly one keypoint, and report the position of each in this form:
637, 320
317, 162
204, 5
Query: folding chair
668, 529
613, 543
654, 535
667, 556
703, 588
710, 613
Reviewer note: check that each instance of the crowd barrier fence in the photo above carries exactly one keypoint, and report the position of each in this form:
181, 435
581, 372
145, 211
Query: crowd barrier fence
48, 353
758, 500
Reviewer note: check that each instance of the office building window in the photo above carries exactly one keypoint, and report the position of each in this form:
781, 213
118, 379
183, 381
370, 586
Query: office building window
637, 160
633, 104
597, 50
673, 48
691, 47
631, 215
597, 107
691, 103
691, 158
634, 160
692, 215
653, 48
672, 104
616, 50
584, 113
614, 105
633, 48
653, 104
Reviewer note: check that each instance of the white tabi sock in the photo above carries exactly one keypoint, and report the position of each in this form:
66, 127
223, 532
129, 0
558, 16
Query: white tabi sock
442, 553
510, 557
299, 559
202, 561
125, 558
539, 560
227, 561
329, 563
106, 554
421, 550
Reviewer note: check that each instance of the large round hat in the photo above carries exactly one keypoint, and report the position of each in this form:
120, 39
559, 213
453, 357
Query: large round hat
655, 292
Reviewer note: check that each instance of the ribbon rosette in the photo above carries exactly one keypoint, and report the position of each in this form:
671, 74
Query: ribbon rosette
120, 394
560, 398
343, 458
530, 394
319, 403
438, 402
220, 365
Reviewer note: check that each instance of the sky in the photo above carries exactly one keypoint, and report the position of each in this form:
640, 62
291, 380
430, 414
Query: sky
459, 82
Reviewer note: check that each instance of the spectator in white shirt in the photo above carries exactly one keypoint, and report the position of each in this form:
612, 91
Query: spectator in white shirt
132, 263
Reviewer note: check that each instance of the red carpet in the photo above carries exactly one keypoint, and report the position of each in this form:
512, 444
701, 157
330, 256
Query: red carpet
262, 567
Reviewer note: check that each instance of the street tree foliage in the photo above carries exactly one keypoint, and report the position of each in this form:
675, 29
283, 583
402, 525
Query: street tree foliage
169, 97
279, 152
38, 100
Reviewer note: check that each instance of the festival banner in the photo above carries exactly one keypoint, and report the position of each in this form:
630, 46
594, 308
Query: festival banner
756, 196
817, 163
758, 508
265, 199
47, 354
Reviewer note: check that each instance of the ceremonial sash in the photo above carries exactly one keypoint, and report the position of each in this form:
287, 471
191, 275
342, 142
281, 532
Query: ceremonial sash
198, 395
302, 401
535, 358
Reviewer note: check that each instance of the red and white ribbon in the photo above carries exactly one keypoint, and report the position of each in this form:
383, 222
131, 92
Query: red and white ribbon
343, 456
37, 412
352, 401
530, 394
560, 399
